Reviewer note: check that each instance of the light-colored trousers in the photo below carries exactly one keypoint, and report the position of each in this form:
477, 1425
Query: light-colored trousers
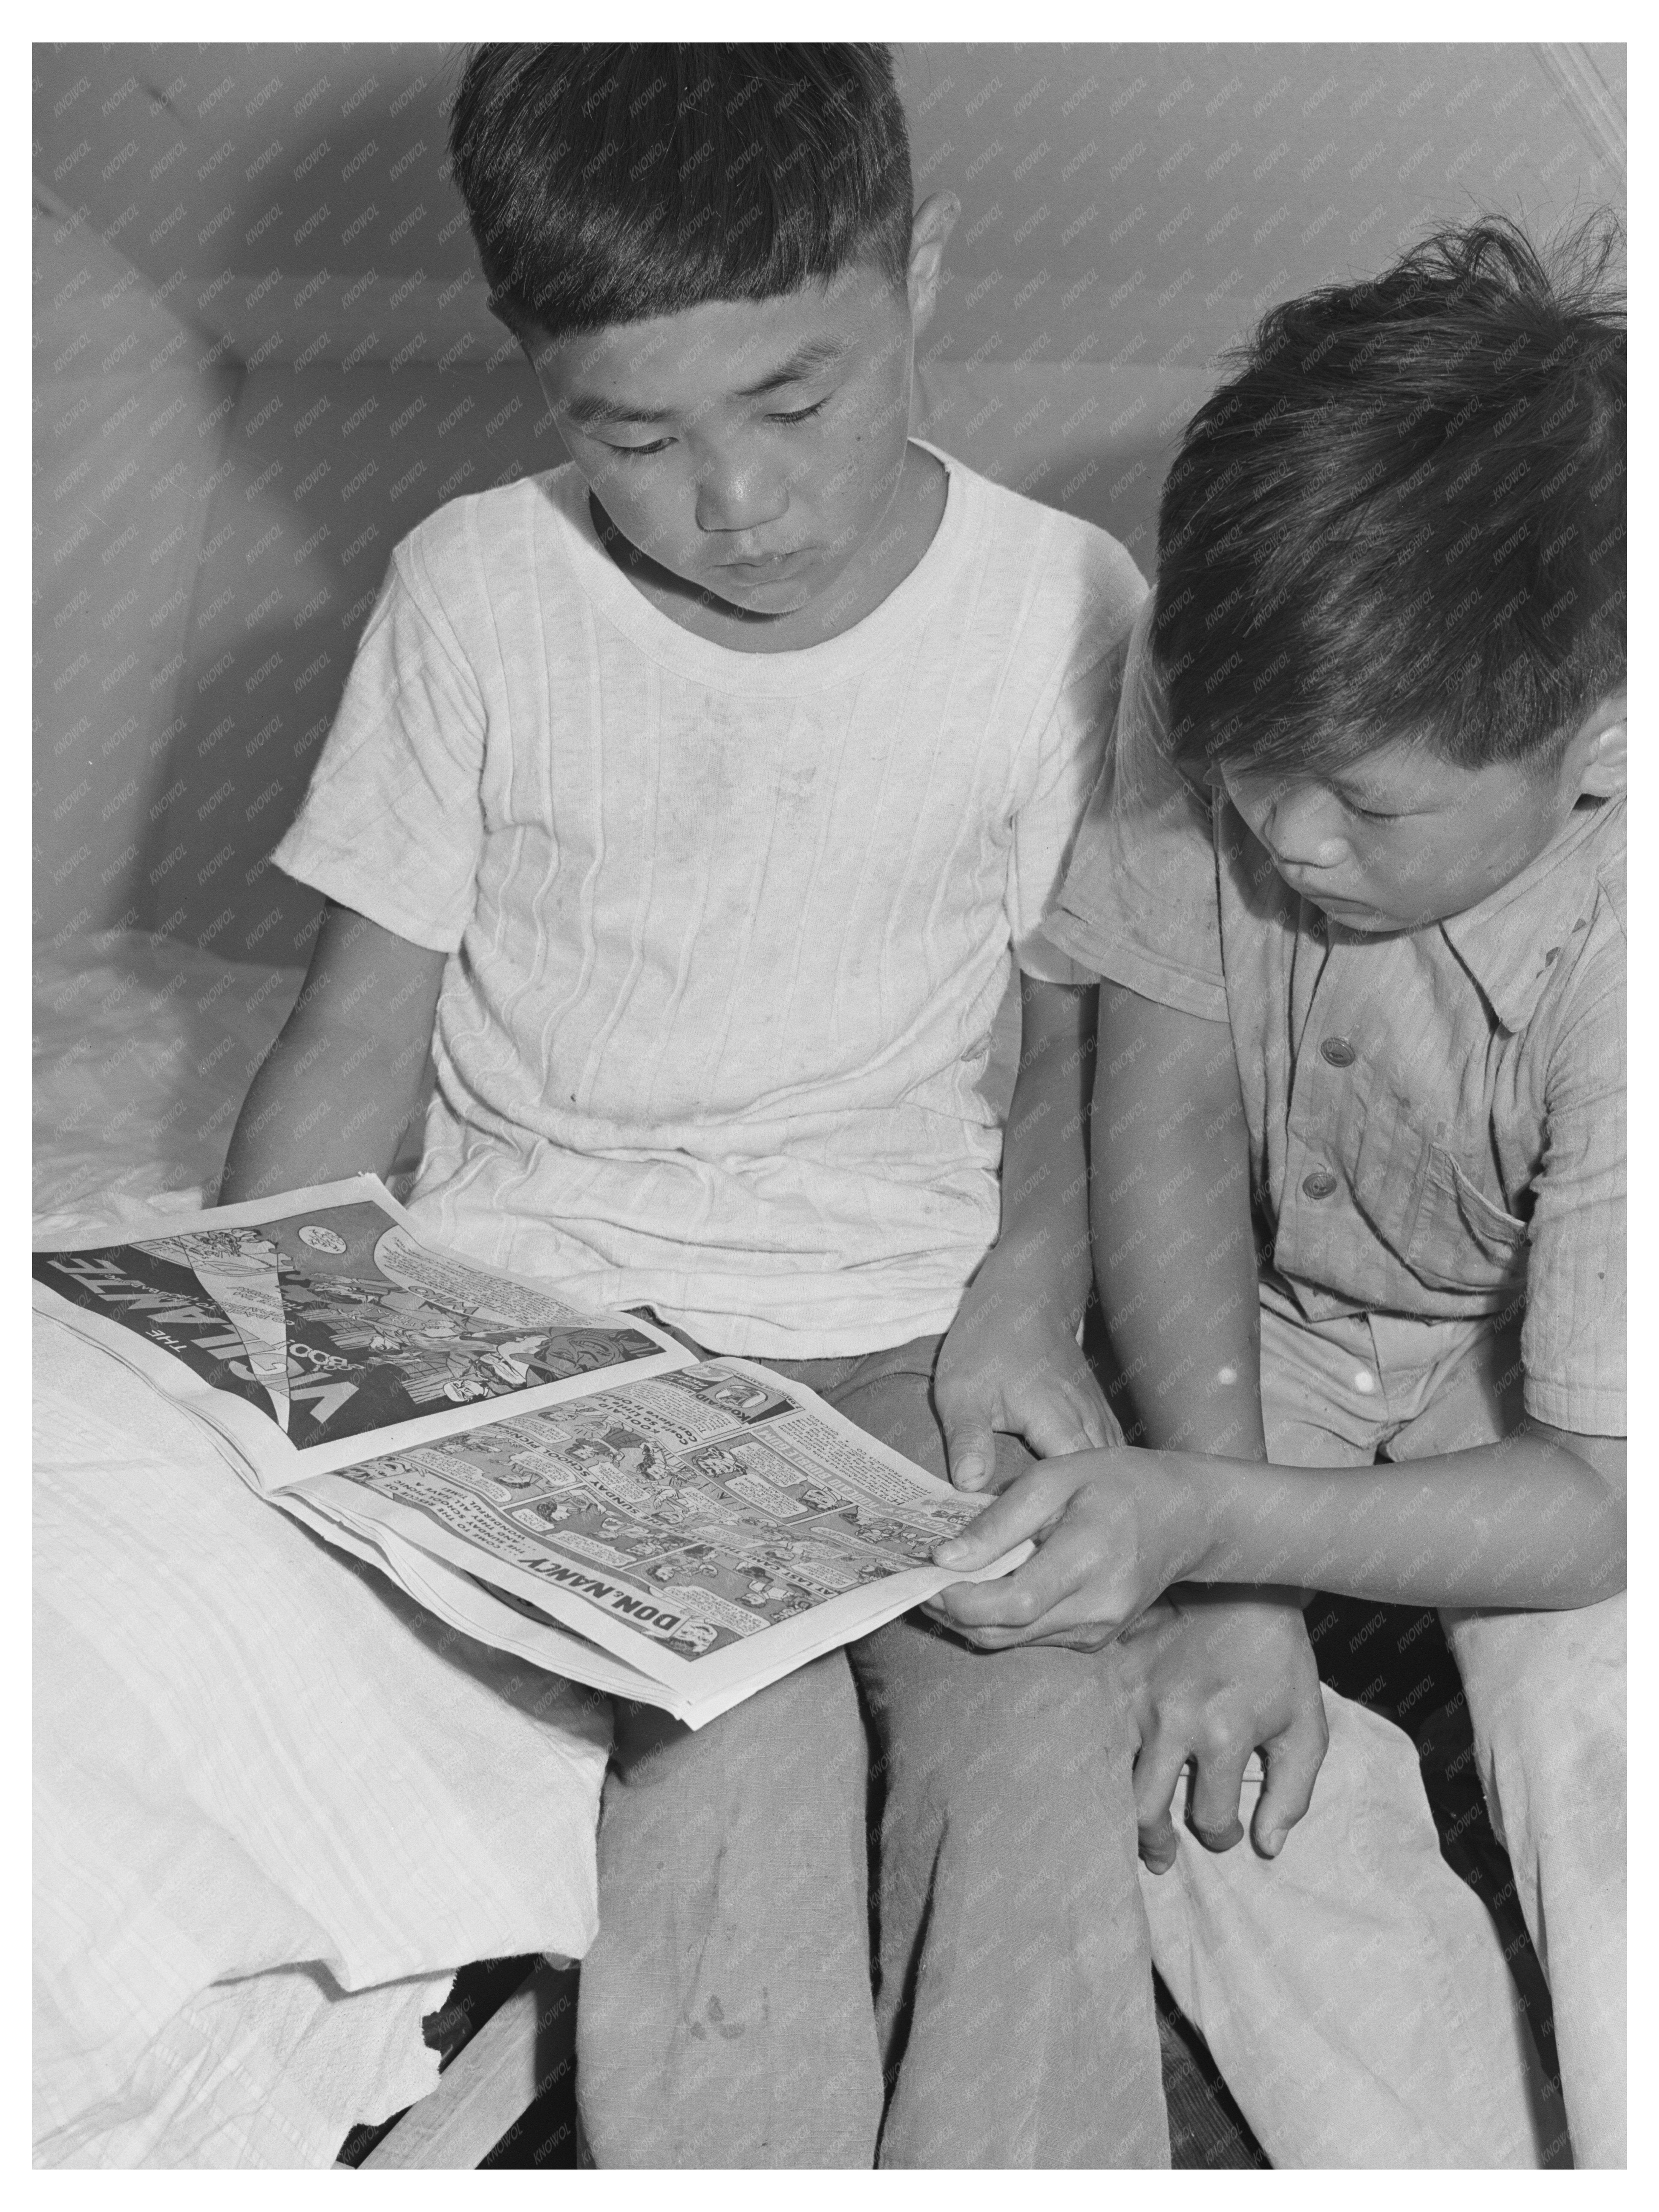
1353, 1992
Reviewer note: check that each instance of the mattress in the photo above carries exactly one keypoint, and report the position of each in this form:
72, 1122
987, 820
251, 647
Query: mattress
277, 1805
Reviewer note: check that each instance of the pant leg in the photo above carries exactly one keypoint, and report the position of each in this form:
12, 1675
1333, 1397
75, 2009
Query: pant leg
1014, 1996
1353, 1990
724, 2016
1547, 1705
1547, 1701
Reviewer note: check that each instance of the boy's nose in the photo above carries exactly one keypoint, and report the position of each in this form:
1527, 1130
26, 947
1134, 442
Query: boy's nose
740, 496
1299, 833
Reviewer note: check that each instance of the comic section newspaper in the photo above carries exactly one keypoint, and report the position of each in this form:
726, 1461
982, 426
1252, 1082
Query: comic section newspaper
575, 1487
307, 1328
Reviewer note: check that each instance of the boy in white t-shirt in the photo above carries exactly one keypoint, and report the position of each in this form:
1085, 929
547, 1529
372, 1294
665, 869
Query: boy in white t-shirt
699, 803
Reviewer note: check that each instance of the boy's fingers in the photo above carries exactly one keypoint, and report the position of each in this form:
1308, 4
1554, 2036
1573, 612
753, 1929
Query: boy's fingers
1292, 1761
1157, 1770
1017, 1602
970, 1450
1057, 1425
1067, 1628
1054, 1605
1157, 1843
1212, 1799
1024, 1510
1082, 1635
1038, 1598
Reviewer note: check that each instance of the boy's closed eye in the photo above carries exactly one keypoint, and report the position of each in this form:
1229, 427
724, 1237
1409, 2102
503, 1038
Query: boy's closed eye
661, 445
1380, 792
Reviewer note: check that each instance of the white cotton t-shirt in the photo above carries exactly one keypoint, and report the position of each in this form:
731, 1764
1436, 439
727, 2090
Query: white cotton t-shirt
728, 932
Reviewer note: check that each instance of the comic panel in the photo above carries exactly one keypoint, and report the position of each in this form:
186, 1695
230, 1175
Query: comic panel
334, 1321
700, 1541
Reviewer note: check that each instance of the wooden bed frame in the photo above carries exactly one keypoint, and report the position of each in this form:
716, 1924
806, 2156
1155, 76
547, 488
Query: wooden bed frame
491, 2082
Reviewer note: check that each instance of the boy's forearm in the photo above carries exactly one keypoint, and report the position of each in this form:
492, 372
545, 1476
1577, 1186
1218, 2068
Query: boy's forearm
343, 1083
1174, 1250
328, 1104
1042, 1245
1526, 1521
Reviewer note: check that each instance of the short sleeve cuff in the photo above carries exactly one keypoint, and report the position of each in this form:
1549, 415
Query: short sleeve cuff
335, 877
1111, 960
1585, 1409
1044, 962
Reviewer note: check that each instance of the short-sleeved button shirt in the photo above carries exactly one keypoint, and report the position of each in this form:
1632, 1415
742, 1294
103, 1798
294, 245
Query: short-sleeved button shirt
1436, 1118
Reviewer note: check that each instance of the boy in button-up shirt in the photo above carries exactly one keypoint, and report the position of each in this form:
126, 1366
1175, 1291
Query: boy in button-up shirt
1362, 1252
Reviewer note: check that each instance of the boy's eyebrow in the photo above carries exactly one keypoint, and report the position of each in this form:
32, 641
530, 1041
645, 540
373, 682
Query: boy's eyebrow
806, 361
590, 409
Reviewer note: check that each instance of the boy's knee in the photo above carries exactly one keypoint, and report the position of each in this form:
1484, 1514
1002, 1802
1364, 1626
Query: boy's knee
897, 1410
808, 1724
1012, 1732
1547, 1695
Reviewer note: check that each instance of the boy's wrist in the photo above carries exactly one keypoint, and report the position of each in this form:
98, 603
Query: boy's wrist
1023, 1277
1205, 1491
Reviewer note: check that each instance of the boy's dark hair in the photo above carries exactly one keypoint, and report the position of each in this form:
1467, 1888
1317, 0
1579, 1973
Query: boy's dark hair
609, 184
1404, 517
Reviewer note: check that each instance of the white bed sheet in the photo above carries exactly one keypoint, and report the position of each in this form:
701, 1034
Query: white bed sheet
277, 1805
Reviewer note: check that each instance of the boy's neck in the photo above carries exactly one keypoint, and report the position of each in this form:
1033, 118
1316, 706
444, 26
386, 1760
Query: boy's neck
888, 552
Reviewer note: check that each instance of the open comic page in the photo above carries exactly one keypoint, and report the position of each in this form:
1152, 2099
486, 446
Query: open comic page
315, 1329
712, 1528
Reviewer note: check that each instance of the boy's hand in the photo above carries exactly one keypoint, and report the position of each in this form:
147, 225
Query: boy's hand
1114, 1530
1021, 1370
1213, 1678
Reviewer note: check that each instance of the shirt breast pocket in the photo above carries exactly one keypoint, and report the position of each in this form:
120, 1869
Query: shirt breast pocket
1461, 1240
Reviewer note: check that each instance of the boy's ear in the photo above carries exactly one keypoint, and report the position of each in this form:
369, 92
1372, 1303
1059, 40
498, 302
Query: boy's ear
1601, 744
930, 229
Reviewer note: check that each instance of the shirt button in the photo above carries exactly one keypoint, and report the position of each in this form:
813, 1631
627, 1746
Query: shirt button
1365, 1380
1338, 1051
1319, 1184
